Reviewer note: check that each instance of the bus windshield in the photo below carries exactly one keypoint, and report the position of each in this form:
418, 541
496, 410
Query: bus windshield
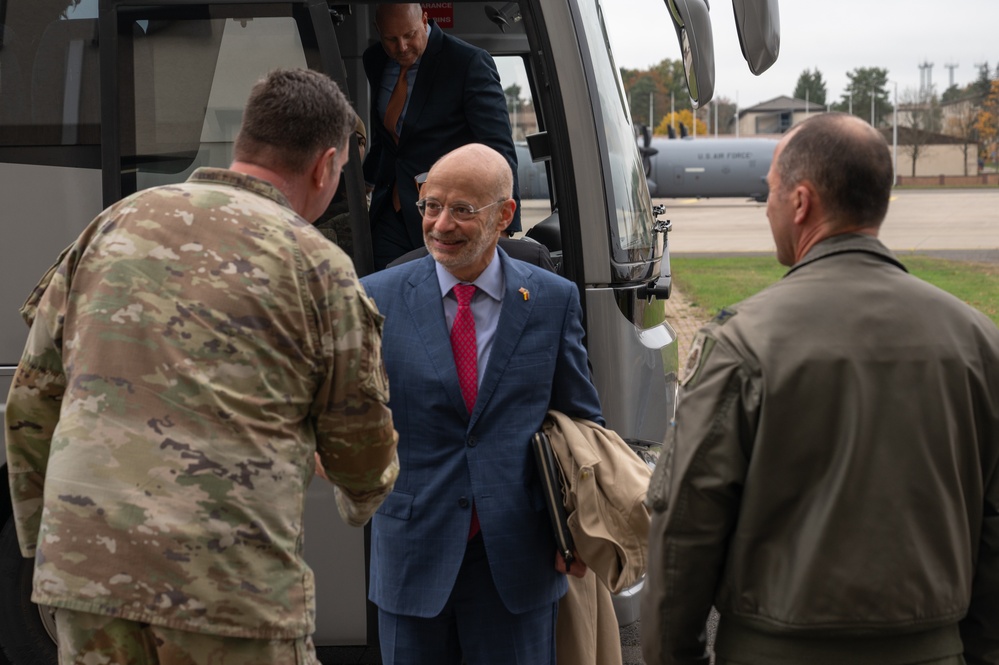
628, 201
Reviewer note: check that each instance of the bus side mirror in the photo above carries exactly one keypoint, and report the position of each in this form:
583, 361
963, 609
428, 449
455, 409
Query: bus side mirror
758, 25
693, 31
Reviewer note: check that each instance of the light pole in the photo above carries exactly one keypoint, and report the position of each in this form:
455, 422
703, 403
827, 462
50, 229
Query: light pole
894, 137
736, 114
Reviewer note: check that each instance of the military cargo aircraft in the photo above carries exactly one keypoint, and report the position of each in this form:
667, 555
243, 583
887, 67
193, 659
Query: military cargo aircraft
683, 167
710, 167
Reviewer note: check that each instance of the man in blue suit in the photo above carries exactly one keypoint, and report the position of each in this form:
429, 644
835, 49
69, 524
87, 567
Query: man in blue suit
463, 561
450, 95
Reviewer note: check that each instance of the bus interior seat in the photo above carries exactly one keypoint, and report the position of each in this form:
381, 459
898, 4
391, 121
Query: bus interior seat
549, 233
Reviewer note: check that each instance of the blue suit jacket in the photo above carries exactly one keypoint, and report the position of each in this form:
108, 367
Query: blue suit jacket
457, 99
448, 457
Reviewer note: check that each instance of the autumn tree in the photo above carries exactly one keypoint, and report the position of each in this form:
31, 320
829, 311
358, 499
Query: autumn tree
642, 93
865, 83
811, 87
655, 88
684, 117
987, 124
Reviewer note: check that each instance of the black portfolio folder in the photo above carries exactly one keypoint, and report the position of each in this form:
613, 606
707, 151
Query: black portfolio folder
553, 487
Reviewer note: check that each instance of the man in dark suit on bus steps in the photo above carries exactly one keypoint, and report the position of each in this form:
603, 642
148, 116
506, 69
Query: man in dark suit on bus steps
450, 95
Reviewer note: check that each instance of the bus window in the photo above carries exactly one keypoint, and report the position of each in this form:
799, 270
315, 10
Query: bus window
519, 102
532, 178
186, 114
50, 154
49, 78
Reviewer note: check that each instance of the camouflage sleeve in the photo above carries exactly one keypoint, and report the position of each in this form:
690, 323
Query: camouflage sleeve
65, 264
30, 307
32, 414
35, 396
356, 510
355, 438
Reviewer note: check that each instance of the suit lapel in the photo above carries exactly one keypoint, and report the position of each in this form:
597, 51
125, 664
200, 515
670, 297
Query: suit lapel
423, 299
514, 315
379, 61
424, 75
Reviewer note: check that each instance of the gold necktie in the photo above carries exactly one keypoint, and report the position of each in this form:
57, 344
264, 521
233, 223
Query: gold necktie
396, 102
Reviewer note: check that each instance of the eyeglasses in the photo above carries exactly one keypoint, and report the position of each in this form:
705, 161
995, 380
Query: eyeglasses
462, 212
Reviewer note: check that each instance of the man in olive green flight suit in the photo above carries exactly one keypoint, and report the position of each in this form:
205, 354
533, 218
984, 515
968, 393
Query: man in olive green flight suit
831, 482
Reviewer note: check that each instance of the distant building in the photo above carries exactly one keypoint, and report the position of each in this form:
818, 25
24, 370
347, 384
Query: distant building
958, 116
775, 116
937, 154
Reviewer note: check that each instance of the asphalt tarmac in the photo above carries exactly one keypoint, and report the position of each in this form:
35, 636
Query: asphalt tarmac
951, 223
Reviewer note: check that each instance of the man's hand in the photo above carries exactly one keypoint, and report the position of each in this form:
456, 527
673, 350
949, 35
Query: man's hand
577, 569
320, 471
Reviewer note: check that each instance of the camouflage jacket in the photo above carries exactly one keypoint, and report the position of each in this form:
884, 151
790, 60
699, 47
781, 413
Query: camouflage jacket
188, 356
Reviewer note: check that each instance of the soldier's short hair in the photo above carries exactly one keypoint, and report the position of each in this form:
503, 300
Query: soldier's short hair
847, 161
291, 116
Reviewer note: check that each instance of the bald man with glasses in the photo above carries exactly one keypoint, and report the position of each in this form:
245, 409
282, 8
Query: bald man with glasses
478, 347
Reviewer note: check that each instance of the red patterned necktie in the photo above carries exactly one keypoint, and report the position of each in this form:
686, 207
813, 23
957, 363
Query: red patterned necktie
464, 346
466, 360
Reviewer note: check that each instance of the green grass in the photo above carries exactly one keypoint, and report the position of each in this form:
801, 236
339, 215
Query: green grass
713, 283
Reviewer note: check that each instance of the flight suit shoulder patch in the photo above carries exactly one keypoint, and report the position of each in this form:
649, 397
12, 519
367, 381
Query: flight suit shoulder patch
699, 350
724, 315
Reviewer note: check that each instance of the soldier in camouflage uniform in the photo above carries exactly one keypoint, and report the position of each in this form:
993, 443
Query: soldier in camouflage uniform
189, 355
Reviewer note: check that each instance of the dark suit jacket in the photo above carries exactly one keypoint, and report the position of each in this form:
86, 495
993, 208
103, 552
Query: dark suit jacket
448, 458
457, 99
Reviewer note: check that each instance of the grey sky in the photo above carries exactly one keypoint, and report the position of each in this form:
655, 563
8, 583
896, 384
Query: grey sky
833, 36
